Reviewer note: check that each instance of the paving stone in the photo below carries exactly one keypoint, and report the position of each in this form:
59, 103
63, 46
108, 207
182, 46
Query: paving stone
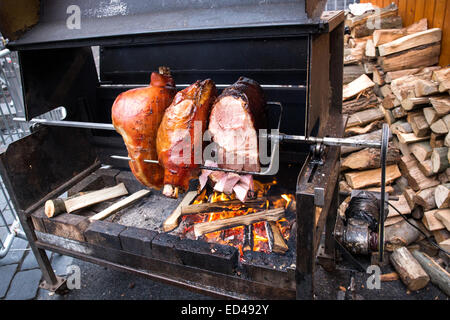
60, 263
6, 274
30, 261
47, 295
24, 286
15, 253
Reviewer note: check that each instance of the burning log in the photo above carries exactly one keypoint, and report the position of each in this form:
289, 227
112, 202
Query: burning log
266, 215
221, 206
279, 245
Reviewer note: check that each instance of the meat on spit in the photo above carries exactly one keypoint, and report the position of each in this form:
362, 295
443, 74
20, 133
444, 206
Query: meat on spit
136, 115
176, 142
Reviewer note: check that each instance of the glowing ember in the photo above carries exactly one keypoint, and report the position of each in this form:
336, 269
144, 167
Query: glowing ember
236, 236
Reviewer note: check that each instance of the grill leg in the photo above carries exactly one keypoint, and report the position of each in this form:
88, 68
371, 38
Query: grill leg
305, 247
50, 281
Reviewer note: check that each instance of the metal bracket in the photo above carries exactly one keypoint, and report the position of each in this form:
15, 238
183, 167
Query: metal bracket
59, 287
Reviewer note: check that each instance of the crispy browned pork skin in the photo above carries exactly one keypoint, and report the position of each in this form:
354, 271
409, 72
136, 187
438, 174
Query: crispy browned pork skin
189, 110
136, 115
236, 116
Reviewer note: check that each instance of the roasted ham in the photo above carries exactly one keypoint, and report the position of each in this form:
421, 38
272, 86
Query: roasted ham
136, 115
176, 148
237, 115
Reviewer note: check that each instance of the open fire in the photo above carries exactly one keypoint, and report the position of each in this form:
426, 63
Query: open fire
264, 236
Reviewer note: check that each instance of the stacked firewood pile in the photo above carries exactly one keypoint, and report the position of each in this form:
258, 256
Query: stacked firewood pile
391, 75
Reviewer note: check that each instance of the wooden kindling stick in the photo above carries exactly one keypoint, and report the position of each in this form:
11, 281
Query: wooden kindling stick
119, 205
266, 215
57, 206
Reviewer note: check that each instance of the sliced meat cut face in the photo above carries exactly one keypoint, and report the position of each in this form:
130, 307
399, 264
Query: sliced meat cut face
232, 128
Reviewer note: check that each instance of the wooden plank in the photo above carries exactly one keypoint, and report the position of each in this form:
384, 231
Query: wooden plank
439, 13
120, 205
411, 41
444, 60
410, 12
173, 220
420, 9
429, 11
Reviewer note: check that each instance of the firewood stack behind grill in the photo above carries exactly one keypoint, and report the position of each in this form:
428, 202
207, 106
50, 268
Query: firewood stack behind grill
392, 75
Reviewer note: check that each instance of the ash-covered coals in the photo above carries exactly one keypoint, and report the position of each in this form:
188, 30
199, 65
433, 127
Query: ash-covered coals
148, 213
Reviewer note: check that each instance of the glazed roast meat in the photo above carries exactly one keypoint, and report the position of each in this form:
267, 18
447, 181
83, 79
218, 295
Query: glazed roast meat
236, 116
136, 115
176, 143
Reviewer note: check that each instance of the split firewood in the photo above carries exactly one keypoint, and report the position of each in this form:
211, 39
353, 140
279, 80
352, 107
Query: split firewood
352, 131
401, 205
267, 215
439, 159
385, 90
418, 123
409, 270
409, 195
363, 102
120, 205
414, 40
426, 167
442, 196
441, 235
390, 101
414, 103
230, 205
354, 55
430, 115
425, 88
425, 198
416, 179
387, 35
447, 140
352, 72
279, 245
439, 127
368, 178
370, 49
443, 177
356, 87
442, 76
446, 120
444, 215
388, 117
369, 17
369, 158
364, 117
401, 126
437, 141
57, 206
392, 220
174, 219
399, 112
421, 150
445, 245
421, 56
441, 105
438, 275
378, 76
408, 138
363, 30
401, 234
431, 222
392, 75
